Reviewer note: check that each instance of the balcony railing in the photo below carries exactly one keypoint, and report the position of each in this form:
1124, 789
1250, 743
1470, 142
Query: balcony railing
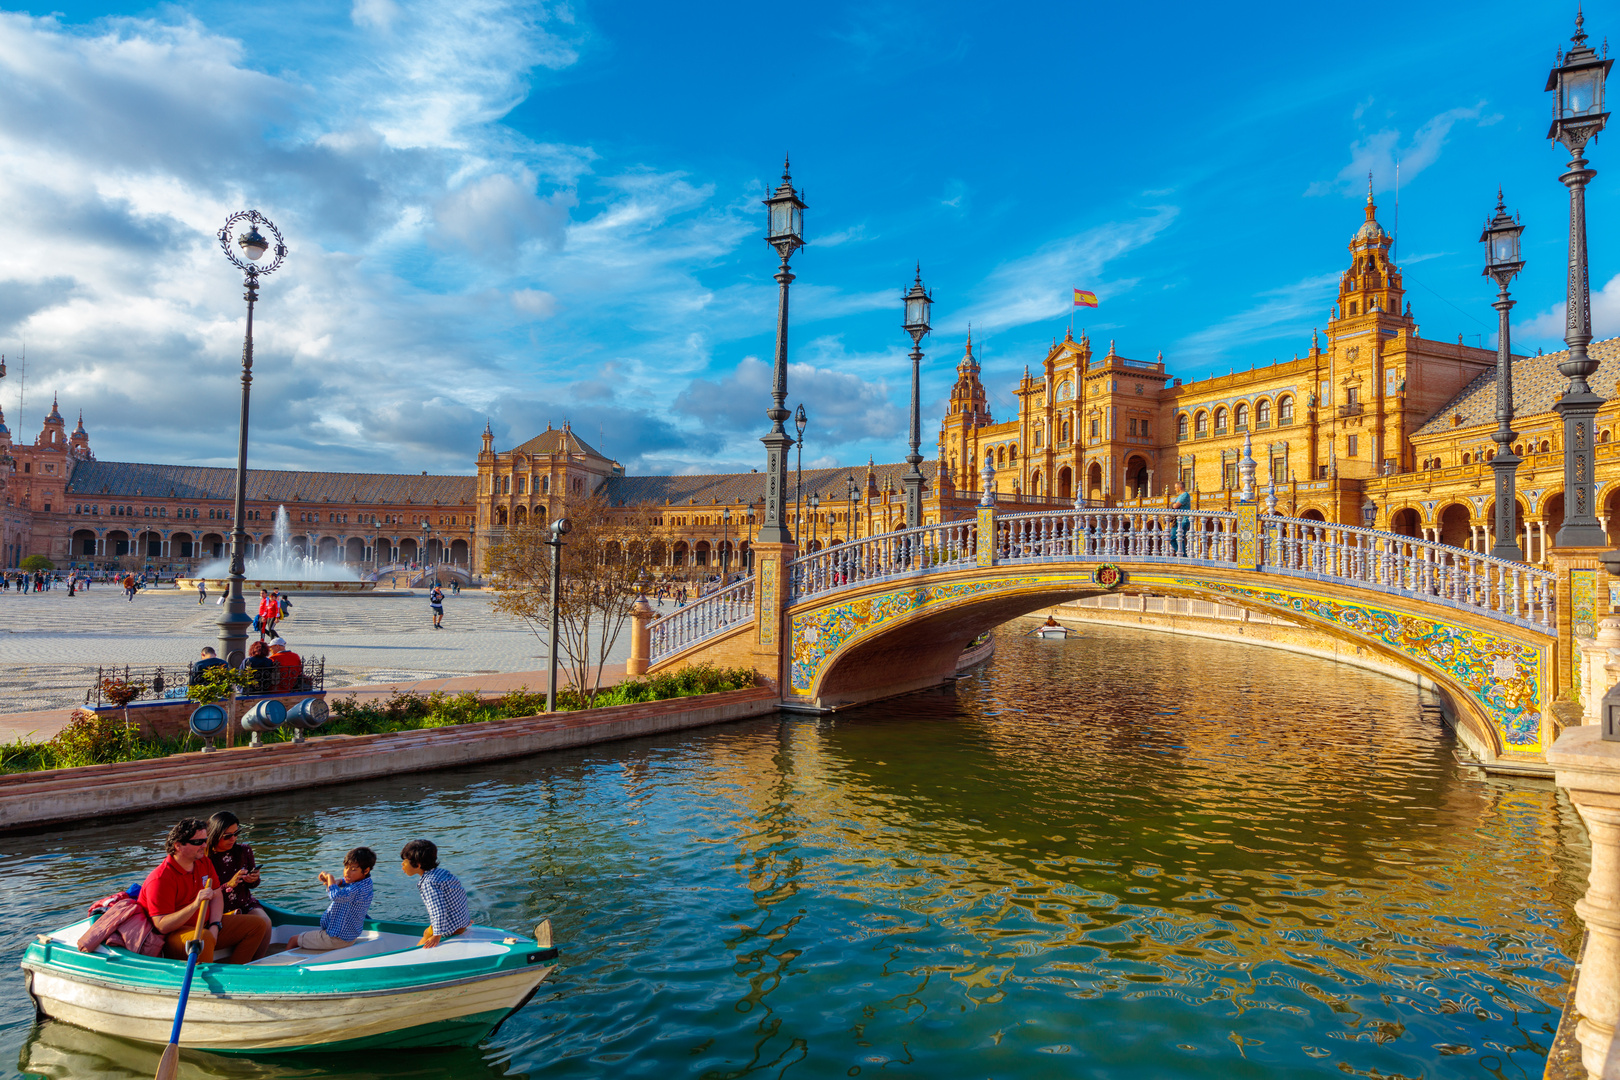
1353, 409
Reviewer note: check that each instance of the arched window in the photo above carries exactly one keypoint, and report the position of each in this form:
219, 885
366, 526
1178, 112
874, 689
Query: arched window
545, 485
1262, 413
1220, 421
1012, 455
1603, 437
1181, 427
1466, 460
1201, 423
1546, 447
1285, 410
1001, 456
1240, 417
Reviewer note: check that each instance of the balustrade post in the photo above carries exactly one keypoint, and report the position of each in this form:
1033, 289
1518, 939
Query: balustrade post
985, 548
772, 651
641, 617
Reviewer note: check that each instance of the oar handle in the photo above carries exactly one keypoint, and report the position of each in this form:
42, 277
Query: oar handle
193, 951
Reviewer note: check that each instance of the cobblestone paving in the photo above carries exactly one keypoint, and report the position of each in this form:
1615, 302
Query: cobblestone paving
50, 644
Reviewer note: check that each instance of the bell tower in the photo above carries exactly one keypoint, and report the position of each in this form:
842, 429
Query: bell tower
1372, 284
969, 409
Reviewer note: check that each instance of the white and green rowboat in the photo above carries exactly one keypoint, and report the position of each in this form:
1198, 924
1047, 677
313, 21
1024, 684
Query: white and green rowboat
382, 991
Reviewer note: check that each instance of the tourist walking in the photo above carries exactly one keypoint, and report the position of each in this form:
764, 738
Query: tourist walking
202, 590
436, 602
129, 587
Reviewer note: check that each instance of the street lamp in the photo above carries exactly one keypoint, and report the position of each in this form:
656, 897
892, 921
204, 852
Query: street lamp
422, 552
235, 622
785, 233
800, 421
1577, 116
815, 516
917, 302
559, 529
1502, 262
725, 539
1369, 513
854, 524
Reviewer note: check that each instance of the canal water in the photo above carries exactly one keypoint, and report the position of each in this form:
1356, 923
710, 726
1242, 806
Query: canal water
1124, 855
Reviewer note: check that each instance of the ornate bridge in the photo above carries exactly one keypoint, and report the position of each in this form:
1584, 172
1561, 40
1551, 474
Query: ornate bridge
889, 614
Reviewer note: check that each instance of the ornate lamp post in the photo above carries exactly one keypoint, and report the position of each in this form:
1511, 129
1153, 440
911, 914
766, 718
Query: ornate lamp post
800, 422
854, 523
235, 622
725, 541
422, 552
786, 234
917, 301
815, 517
559, 528
1577, 116
1502, 262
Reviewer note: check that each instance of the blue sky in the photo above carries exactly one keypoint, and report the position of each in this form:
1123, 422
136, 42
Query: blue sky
527, 213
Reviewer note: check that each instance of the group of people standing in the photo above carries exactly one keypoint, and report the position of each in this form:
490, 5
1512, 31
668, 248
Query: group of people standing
207, 868
38, 581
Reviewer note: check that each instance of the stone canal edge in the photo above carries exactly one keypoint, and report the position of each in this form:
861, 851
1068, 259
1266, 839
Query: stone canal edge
59, 796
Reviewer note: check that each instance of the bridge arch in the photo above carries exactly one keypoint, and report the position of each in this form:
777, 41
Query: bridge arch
855, 652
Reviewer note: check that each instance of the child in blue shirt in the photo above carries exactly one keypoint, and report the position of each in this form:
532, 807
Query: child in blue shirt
442, 894
345, 916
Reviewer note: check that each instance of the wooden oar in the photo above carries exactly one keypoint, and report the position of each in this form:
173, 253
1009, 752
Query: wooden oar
169, 1065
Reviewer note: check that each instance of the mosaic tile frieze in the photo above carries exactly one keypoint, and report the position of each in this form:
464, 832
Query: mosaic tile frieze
1505, 676
821, 632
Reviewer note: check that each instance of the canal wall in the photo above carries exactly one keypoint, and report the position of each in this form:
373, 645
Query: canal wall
51, 797
1207, 619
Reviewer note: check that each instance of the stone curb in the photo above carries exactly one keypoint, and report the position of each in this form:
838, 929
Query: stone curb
92, 791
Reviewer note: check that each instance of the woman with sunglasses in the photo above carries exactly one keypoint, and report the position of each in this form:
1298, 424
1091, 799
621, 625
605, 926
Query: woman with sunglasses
236, 870
174, 893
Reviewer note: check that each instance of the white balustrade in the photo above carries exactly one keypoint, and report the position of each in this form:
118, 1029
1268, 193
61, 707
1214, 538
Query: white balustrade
902, 553
700, 620
1289, 547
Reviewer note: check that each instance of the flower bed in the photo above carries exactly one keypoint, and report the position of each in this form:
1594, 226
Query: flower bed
103, 738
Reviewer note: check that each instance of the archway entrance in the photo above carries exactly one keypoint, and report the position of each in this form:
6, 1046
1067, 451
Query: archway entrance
1407, 522
1456, 526
1065, 483
1136, 477
1094, 481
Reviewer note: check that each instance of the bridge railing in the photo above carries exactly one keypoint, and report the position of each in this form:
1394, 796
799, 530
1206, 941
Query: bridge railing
702, 619
882, 557
1424, 569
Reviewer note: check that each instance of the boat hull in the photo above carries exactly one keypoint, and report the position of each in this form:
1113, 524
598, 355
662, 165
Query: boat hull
457, 1015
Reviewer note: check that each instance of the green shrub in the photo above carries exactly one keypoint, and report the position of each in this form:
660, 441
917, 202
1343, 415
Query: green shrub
36, 562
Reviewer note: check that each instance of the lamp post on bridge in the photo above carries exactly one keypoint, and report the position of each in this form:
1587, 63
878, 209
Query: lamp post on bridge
785, 233
815, 516
559, 528
854, 523
800, 422
234, 623
1577, 116
1502, 262
725, 540
918, 302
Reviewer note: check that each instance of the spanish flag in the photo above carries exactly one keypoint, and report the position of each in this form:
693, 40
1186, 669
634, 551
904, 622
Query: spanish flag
1084, 299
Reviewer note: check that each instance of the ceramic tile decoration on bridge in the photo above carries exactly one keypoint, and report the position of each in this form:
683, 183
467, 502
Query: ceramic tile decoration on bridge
1483, 628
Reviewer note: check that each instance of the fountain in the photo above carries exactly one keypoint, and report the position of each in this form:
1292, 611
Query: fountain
282, 566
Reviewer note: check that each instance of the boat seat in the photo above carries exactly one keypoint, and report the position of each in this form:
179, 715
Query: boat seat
369, 943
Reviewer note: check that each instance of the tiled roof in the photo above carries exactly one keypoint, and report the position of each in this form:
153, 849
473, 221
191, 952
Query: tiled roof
551, 441
831, 484
129, 480
1536, 385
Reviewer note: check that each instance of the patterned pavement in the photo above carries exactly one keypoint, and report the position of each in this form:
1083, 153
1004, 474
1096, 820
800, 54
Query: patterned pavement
50, 645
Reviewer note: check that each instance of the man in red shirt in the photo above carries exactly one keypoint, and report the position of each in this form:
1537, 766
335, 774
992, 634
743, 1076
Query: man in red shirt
289, 666
174, 892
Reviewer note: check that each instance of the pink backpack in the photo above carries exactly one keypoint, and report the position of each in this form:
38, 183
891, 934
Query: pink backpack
125, 925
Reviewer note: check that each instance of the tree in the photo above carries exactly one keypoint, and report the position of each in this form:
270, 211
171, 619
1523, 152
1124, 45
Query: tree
36, 562
606, 560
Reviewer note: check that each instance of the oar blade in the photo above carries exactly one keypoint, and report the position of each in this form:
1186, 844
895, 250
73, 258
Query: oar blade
169, 1065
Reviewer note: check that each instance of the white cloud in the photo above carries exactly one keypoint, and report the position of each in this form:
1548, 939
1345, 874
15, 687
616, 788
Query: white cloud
536, 302
1040, 286
1549, 325
1281, 312
377, 14
1379, 152
495, 215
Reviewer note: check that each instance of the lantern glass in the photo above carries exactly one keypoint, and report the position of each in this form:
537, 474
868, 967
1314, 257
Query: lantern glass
1369, 513
1582, 91
253, 244
917, 304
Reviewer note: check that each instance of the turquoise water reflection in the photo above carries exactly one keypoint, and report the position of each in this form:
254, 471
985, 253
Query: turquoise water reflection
1119, 856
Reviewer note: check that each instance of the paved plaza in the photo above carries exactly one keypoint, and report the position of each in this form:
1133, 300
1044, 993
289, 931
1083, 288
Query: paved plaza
51, 644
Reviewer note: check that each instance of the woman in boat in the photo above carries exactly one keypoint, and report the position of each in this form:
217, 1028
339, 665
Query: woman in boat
236, 870
175, 892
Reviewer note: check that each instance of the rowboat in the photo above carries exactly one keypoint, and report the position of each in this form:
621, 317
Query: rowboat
384, 991
1056, 632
